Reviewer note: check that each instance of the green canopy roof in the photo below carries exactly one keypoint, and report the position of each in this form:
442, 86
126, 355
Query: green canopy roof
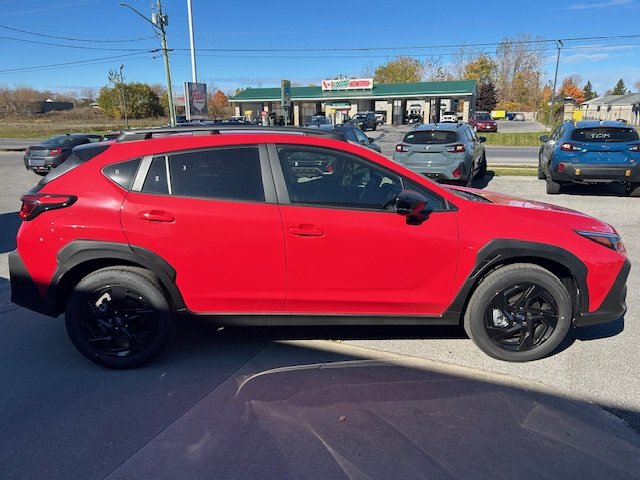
383, 90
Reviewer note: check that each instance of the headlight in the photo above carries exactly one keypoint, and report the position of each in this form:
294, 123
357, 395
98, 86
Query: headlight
610, 240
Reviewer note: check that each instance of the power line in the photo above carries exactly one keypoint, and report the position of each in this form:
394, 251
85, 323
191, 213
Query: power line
79, 47
76, 39
78, 62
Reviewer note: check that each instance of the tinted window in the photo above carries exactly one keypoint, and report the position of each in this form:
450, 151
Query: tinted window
123, 173
156, 181
483, 116
604, 134
229, 173
430, 136
327, 177
58, 141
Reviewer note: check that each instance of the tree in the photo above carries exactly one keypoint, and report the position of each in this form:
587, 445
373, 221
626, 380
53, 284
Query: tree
487, 98
482, 68
219, 105
141, 100
401, 70
571, 88
588, 92
518, 71
619, 89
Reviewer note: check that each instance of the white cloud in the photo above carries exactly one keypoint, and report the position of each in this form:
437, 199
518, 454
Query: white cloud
610, 3
584, 57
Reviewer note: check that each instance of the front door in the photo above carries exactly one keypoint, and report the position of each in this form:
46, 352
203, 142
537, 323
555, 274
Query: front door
349, 252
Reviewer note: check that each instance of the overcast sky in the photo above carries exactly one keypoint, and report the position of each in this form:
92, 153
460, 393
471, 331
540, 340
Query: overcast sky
64, 45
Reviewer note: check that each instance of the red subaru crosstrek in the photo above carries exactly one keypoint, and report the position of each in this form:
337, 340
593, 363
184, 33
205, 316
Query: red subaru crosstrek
287, 226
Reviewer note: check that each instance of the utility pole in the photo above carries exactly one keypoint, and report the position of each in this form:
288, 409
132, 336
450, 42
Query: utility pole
159, 20
124, 99
194, 76
555, 81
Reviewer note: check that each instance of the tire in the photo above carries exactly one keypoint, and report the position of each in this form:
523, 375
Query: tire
633, 190
518, 313
541, 175
119, 317
553, 188
482, 168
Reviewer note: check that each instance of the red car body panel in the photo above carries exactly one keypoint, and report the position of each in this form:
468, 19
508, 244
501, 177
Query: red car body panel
303, 259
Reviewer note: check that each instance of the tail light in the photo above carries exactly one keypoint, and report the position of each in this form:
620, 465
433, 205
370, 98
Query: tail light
569, 147
560, 167
456, 148
55, 151
635, 148
401, 148
34, 205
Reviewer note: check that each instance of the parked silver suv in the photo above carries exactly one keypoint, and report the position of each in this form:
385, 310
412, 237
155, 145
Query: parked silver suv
443, 152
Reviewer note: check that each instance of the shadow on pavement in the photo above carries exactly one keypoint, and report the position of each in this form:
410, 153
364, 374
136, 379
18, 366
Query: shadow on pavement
224, 404
9, 224
484, 181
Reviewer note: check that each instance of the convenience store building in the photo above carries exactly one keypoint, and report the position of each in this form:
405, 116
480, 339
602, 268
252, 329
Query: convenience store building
338, 98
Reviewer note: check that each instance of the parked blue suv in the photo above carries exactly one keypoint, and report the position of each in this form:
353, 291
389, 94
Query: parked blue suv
591, 152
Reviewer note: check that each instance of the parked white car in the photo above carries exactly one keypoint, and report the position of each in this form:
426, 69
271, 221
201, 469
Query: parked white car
449, 117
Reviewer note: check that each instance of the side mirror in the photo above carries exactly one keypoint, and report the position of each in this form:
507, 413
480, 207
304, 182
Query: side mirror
370, 139
544, 138
482, 139
412, 205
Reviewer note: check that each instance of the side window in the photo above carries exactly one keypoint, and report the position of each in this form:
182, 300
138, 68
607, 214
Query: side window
122, 173
471, 135
326, 177
361, 137
156, 180
225, 173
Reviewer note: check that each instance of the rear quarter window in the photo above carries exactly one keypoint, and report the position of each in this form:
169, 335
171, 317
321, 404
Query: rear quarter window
604, 134
123, 173
430, 137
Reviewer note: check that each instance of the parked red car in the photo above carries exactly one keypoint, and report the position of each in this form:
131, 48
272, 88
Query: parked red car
482, 122
298, 227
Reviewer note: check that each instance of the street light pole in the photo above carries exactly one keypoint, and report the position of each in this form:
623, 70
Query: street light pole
555, 81
159, 20
124, 99
194, 76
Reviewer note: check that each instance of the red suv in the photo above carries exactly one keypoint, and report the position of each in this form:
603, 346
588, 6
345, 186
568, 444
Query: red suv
127, 236
482, 122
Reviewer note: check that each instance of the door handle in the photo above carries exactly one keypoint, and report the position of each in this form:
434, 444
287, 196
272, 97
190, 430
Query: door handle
156, 216
305, 230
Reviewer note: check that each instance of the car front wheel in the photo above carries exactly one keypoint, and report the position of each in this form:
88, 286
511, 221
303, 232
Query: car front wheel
119, 317
519, 313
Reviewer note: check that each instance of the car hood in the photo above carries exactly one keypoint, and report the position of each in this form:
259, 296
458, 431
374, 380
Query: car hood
540, 210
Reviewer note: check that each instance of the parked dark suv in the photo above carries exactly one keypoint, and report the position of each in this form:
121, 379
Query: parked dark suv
285, 226
364, 121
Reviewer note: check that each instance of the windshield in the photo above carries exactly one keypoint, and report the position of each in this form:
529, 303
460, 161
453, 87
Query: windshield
430, 136
483, 116
604, 134
57, 141
359, 116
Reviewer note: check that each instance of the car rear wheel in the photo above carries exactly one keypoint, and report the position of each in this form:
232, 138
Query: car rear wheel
633, 189
519, 313
119, 317
482, 168
553, 188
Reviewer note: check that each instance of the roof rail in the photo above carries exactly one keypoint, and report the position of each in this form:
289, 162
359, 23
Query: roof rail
148, 133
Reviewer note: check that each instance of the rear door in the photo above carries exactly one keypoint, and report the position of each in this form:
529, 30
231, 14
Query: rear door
212, 215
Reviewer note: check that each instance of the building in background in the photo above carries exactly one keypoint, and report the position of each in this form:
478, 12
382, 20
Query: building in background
342, 98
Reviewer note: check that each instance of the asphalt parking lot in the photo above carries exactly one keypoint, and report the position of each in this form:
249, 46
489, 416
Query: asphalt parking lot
58, 408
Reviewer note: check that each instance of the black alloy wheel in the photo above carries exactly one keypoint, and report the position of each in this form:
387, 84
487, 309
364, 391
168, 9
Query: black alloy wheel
119, 317
519, 312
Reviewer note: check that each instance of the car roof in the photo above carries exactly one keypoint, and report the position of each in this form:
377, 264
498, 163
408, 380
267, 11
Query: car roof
600, 123
439, 126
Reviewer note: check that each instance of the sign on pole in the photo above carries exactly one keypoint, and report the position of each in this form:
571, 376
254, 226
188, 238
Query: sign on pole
195, 95
285, 99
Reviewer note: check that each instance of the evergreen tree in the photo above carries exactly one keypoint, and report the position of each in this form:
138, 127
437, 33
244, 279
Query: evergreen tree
588, 92
487, 97
619, 89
